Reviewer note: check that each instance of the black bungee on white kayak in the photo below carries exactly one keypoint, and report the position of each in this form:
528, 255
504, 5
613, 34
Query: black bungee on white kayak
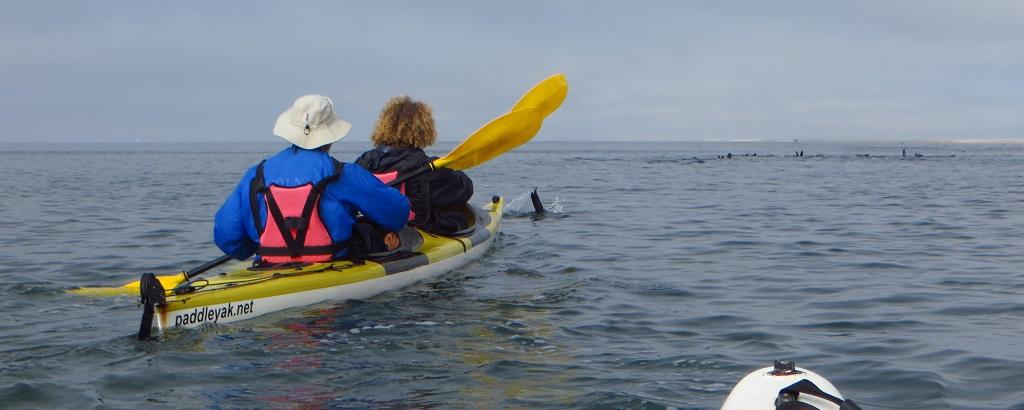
785, 387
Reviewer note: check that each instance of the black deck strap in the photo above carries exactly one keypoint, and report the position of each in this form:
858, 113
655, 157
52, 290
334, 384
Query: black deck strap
377, 256
257, 186
402, 261
151, 295
805, 386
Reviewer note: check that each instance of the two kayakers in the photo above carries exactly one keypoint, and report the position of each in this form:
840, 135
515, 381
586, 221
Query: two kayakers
405, 127
300, 205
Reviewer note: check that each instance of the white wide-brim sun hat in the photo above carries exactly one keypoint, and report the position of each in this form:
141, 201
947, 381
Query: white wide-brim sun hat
311, 123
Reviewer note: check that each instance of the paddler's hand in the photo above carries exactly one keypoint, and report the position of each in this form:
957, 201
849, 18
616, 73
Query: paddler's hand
391, 241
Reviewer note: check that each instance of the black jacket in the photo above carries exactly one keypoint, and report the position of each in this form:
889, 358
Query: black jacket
438, 198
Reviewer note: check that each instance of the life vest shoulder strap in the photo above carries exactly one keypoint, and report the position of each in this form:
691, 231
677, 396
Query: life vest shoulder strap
258, 186
339, 170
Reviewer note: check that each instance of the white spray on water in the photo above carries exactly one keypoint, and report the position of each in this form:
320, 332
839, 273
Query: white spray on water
522, 206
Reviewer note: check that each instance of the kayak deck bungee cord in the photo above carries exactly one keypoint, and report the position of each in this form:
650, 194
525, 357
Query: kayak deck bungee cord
250, 292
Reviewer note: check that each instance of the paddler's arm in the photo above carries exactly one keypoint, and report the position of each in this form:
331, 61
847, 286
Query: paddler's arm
450, 188
384, 205
232, 220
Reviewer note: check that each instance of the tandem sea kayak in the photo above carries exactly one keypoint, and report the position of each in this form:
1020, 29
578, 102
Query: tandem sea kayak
250, 292
181, 300
785, 387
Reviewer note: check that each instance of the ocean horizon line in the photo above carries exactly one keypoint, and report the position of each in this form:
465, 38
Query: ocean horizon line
625, 141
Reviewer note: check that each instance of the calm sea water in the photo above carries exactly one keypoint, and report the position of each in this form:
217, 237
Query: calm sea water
659, 282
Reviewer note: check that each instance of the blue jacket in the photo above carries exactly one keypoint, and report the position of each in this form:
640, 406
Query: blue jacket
357, 190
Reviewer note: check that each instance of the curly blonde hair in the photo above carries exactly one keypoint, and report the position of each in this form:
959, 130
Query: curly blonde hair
404, 123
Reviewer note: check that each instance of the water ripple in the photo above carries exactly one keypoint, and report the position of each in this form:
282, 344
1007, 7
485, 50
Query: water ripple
897, 279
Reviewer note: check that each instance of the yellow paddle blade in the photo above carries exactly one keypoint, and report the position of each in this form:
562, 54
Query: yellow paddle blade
129, 289
494, 138
546, 95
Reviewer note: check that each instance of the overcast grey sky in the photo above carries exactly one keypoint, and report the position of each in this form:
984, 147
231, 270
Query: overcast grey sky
660, 70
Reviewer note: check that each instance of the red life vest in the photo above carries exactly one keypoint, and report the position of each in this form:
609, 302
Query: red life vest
387, 177
294, 231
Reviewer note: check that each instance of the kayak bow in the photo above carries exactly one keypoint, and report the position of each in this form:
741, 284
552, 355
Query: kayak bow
786, 387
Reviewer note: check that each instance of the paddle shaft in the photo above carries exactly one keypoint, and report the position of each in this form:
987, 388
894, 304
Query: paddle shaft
189, 275
207, 266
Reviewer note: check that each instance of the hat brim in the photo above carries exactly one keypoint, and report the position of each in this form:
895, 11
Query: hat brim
333, 132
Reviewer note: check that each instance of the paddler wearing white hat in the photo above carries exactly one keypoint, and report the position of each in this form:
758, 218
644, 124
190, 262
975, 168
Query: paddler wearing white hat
300, 204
